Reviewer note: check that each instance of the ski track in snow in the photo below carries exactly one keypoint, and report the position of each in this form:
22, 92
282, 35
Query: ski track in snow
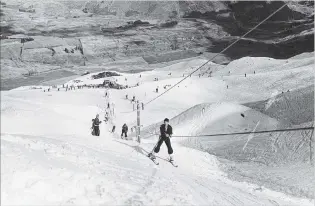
72, 172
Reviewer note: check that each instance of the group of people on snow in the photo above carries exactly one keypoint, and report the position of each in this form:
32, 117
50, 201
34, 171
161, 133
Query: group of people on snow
166, 132
96, 127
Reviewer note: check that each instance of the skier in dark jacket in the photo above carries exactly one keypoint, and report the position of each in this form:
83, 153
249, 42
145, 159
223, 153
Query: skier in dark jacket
124, 130
96, 126
113, 129
166, 132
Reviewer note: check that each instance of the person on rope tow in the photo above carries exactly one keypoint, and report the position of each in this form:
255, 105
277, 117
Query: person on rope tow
166, 132
124, 131
113, 129
106, 117
96, 126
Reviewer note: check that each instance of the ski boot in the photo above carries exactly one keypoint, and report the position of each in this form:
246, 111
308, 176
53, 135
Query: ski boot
151, 156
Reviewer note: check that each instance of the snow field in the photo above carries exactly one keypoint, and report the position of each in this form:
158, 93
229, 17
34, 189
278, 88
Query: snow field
49, 157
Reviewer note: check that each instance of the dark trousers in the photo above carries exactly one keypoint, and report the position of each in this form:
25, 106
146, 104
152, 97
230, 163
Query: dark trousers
96, 131
167, 142
124, 132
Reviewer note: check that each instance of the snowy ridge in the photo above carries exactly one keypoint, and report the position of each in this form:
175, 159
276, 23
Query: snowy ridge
215, 118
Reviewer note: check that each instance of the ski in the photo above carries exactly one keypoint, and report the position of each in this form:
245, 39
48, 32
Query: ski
153, 160
173, 163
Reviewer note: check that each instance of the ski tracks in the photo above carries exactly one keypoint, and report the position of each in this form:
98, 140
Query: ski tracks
38, 170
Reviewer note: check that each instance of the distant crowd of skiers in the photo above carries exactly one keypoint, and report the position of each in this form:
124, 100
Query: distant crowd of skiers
72, 87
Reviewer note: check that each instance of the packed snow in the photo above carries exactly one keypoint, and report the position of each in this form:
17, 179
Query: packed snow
49, 157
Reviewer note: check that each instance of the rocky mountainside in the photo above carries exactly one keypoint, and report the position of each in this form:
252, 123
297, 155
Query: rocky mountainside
39, 35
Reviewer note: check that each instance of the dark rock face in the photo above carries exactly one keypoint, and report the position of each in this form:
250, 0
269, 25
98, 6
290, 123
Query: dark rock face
104, 74
189, 28
130, 25
278, 37
169, 24
281, 50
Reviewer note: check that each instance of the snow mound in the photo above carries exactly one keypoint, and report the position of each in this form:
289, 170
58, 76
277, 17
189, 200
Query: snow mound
217, 118
250, 65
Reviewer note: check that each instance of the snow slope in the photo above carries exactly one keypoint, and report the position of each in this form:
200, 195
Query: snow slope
49, 157
52, 160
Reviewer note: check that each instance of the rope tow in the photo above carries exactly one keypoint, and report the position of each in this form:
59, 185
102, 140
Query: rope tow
218, 53
253, 132
226, 48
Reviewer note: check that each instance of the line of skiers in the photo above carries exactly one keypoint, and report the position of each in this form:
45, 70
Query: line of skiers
72, 87
133, 98
166, 132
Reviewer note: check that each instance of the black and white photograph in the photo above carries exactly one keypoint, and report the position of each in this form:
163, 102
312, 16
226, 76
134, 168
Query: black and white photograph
157, 103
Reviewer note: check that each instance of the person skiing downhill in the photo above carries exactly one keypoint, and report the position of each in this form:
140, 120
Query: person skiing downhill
166, 132
96, 124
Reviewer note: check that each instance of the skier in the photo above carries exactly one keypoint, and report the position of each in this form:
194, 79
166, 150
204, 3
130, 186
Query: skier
106, 117
113, 129
124, 131
157, 90
126, 96
96, 124
166, 132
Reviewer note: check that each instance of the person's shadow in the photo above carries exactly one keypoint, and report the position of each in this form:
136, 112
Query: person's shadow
137, 148
140, 150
